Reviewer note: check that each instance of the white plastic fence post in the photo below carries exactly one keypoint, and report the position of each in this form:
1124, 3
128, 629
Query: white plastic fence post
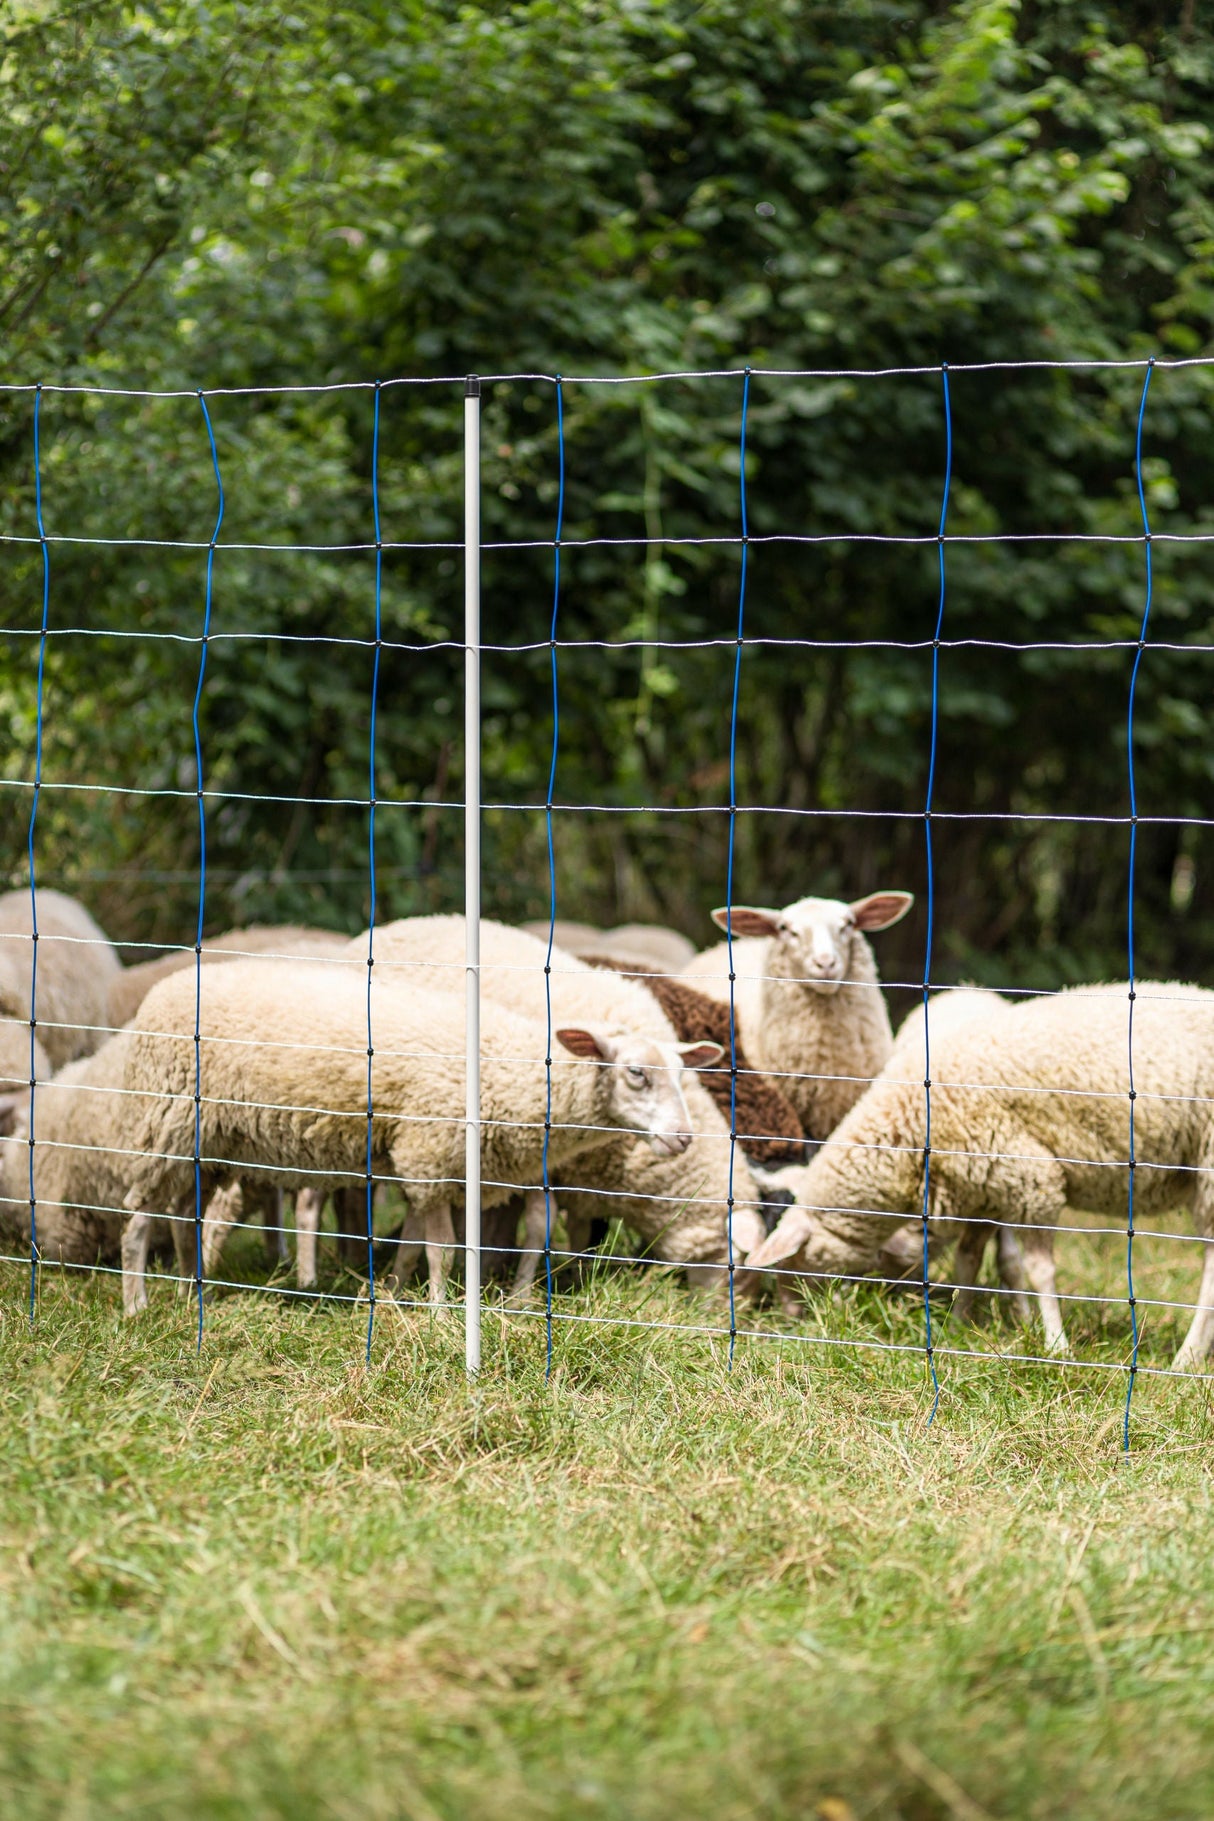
472, 871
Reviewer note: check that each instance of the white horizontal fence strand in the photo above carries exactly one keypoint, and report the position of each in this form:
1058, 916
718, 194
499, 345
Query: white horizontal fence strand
673, 541
802, 1338
1082, 363
661, 1260
475, 1128
633, 809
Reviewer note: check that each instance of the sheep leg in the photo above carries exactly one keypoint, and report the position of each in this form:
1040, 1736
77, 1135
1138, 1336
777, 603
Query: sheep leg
224, 1211
350, 1213
901, 1257
181, 1222
1011, 1275
535, 1229
274, 1230
1198, 1341
440, 1243
585, 1235
967, 1267
1200, 1338
135, 1237
408, 1251
309, 1205
1039, 1269
499, 1240
1026, 1190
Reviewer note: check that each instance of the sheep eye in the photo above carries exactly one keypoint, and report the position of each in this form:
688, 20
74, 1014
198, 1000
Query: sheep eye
637, 1076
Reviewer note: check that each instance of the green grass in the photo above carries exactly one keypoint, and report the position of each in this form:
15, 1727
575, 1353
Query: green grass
268, 1582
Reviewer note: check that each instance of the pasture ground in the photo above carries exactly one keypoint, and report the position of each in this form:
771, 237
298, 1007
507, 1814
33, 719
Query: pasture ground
269, 1582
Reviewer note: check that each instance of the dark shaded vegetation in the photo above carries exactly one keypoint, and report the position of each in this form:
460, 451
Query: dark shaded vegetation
242, 197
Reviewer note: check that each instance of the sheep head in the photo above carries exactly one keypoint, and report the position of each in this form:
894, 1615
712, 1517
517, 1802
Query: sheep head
802, 1244
812, 939
645, 1092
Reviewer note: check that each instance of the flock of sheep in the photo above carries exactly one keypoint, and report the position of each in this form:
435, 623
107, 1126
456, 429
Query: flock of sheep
631, 1100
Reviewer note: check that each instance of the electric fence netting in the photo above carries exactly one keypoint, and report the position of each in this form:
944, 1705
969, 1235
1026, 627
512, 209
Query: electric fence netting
443, 1081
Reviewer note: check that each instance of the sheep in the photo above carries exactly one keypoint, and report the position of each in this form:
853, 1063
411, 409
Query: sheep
285, 1080
765, 1120
283, 941
15, 1056
902, 1253
647, 945
1030, 1112
131, 986
683, 1202
350, 1212
82, 1118
76, 962
946, 1012
808, 1005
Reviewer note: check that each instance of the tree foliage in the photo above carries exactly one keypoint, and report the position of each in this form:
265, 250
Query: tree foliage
233, 196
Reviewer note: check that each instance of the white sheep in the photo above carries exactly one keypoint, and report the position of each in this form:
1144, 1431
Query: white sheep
82, 1120
76, 963
678, 1204
902, 1253
645, 944
807, 1001
947, 1011
288, 943
15, 1056
1030, 1114
131, 985
284, 1094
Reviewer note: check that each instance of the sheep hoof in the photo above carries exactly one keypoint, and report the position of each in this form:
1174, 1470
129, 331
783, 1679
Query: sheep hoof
1059, 1347
1187, 1360
135, 1304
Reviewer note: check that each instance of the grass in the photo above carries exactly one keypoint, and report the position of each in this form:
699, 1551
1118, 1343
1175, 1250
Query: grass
268, 1582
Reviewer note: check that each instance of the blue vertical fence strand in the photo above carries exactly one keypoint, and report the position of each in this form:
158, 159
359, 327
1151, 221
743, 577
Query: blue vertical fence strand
733, 820
931, 895
46, 604
1133, 1162
556, 746
379, 581
202, 870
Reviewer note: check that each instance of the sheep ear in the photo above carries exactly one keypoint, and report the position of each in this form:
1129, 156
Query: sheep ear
700, 1055
10, 1109
791, 1233
880, 909
745, 920
584, 1044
